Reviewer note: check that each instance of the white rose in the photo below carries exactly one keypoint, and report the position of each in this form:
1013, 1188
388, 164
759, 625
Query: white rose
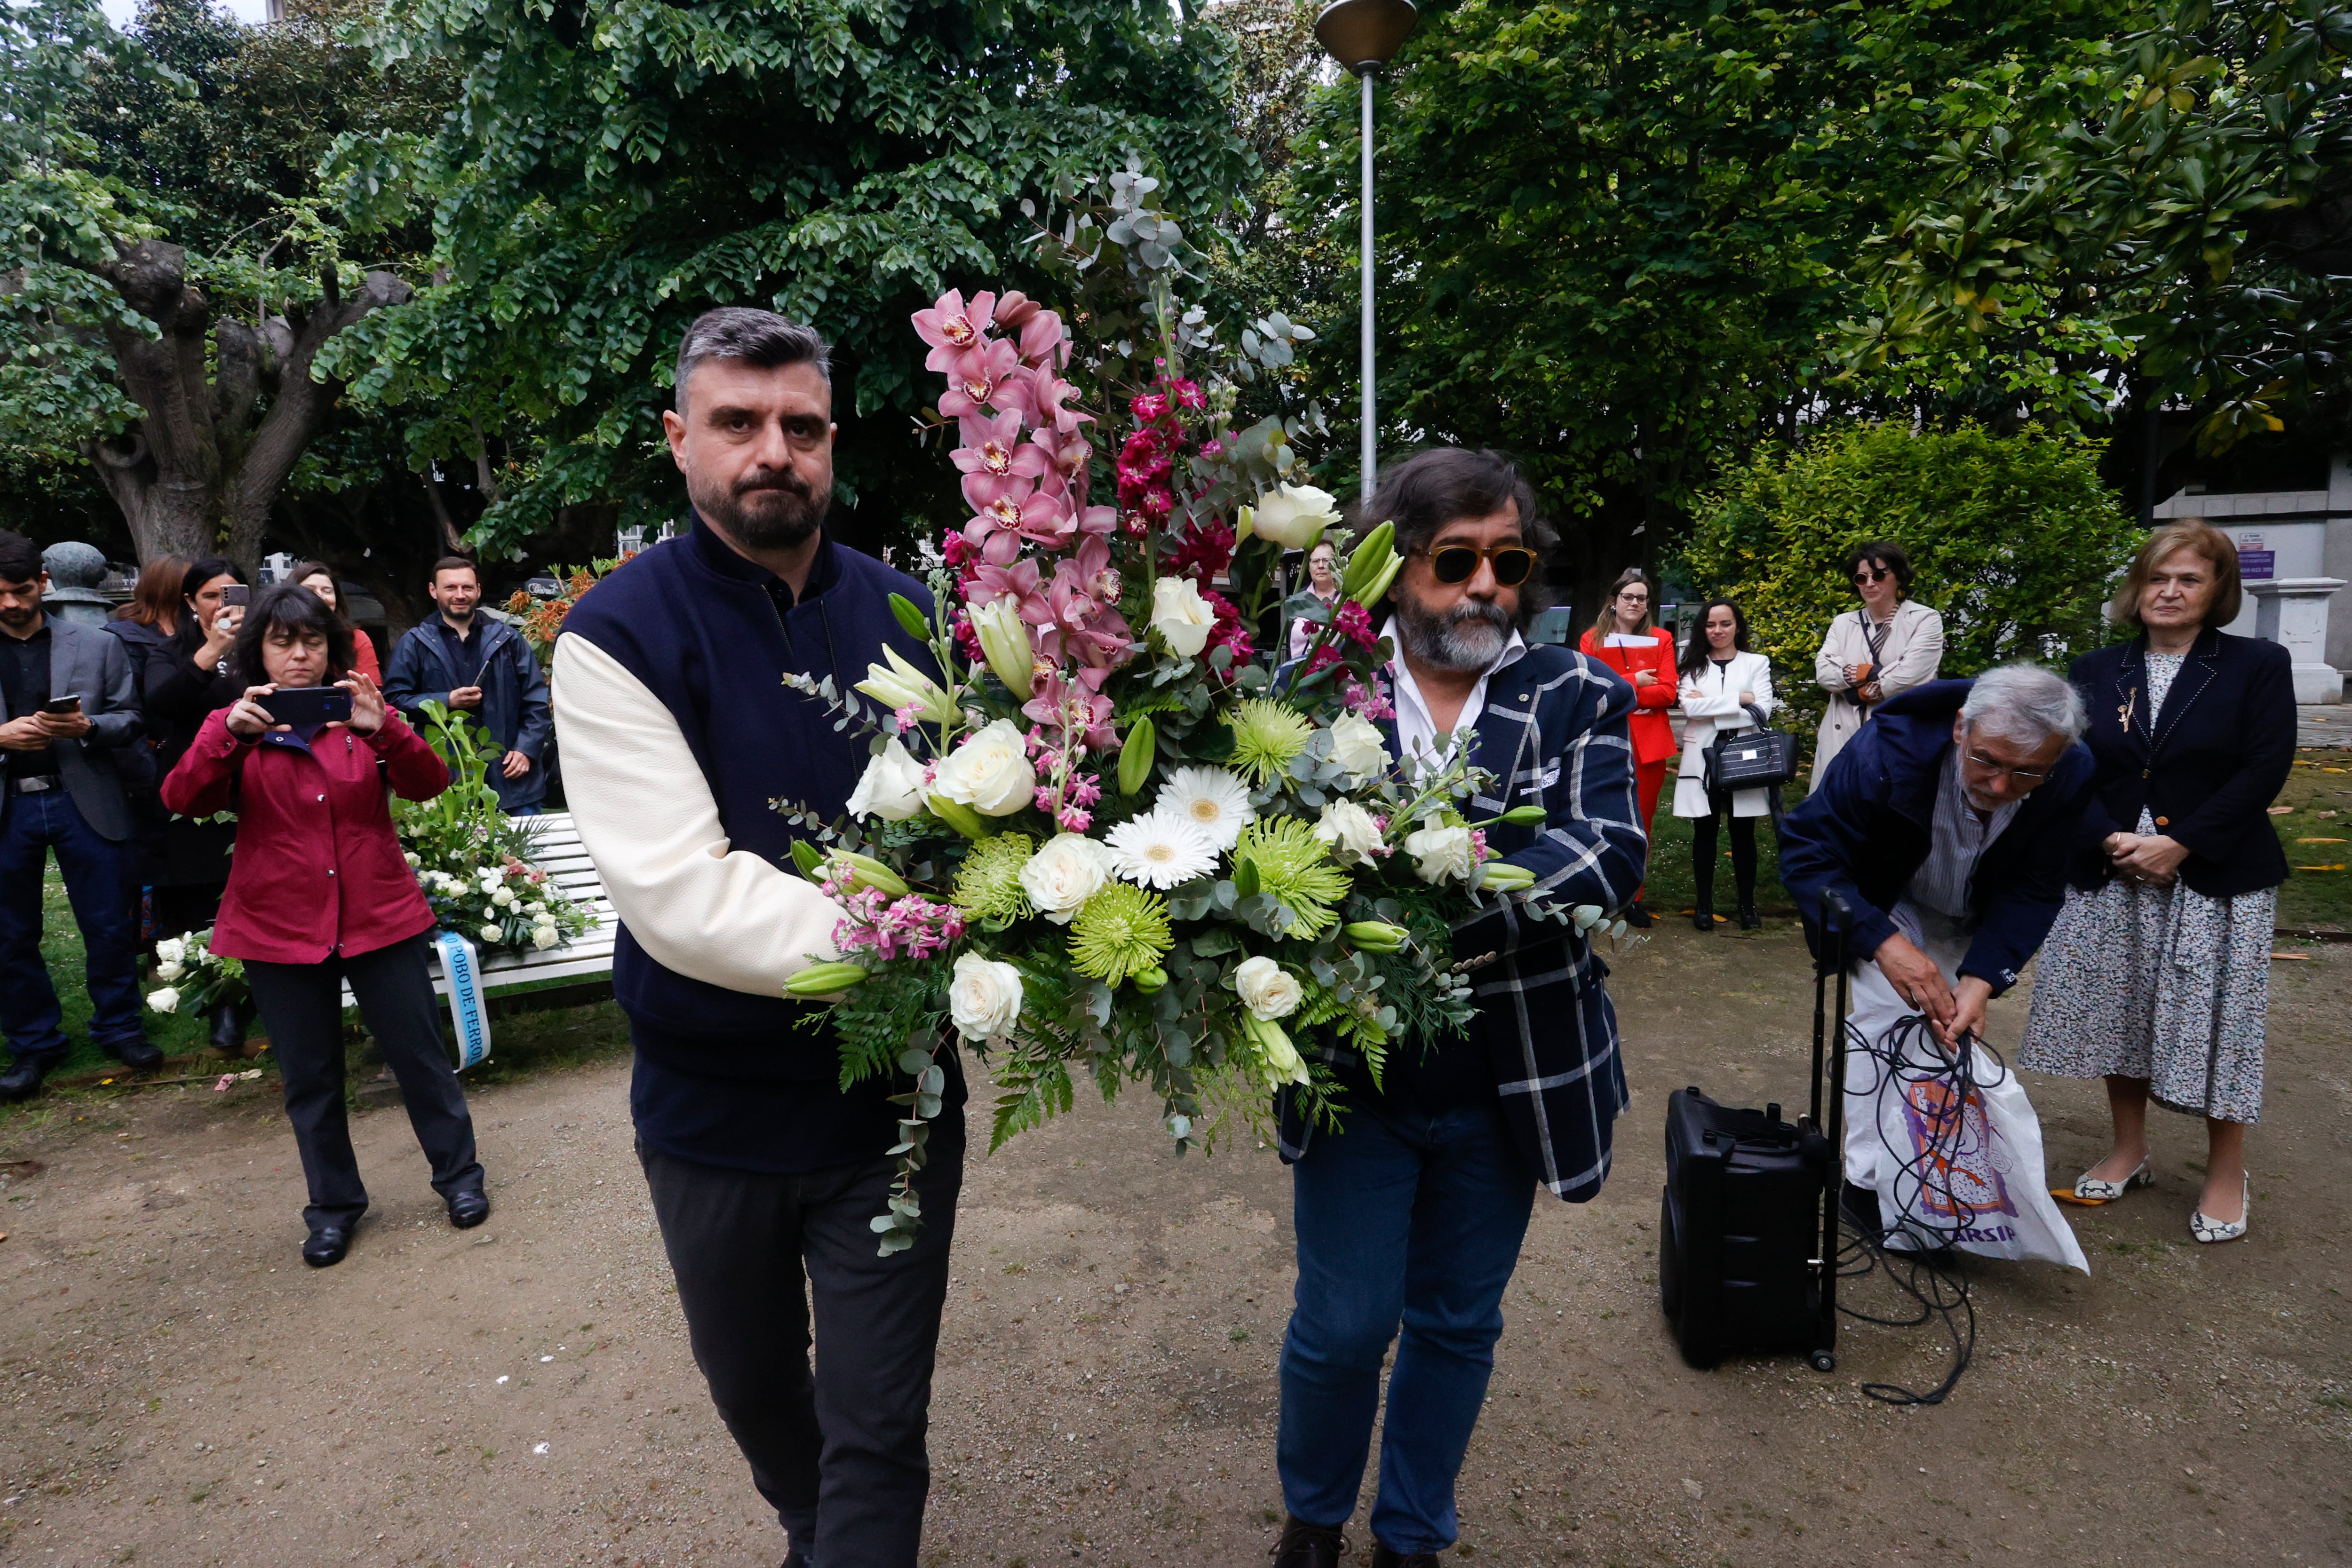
1067, 872
1349, 829
169, 970
1438, 853
411, 858
172, 949
990, 772
1293, 516
1182, 616
491, 934
984, 998
489, 877
164, 1001
534, 907
545, 936
545, 917
1268, 990
503, 897
1357, 746
891, 789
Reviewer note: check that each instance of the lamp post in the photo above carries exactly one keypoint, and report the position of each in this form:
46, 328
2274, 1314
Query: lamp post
1363, 36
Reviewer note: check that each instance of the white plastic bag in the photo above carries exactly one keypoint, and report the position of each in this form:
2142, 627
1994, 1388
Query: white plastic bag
1962, 1165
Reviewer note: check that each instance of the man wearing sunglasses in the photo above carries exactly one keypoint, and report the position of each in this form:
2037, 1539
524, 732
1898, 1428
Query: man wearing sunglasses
1945, 827
1410, 1212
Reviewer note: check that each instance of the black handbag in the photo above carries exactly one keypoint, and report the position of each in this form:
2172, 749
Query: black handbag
1755, 758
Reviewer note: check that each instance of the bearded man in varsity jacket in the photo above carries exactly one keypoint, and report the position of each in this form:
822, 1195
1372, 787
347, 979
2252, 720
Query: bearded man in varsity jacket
677, 733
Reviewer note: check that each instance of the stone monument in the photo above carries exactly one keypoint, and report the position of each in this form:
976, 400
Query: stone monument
75, 571
2293, 612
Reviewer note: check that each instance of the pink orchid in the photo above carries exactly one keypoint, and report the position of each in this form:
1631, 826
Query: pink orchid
1020, 582
1042, 343
952, 327
1097, 520
976, 375
994, 447
1065, 453
1075, 705
1014, 309
1048, 393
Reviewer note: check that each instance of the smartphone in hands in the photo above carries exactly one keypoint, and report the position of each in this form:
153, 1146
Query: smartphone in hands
61, 706
237, 594
306, 708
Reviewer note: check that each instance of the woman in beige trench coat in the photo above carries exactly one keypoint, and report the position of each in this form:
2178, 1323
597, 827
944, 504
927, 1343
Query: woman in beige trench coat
1890, 644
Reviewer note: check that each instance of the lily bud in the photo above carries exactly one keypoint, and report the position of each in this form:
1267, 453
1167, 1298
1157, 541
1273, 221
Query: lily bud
962, 819
901, 684
1004, 642
867, 872
824, 979
1149, 981
1376, 936
809, 858
910, 617
1366, 562
1135, 758
1525, 816
1505, 877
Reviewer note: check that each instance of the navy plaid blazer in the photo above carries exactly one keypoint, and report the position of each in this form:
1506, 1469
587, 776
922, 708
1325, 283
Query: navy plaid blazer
1553, 734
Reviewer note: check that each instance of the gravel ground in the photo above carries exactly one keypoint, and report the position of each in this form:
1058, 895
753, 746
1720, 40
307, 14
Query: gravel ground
180, 1390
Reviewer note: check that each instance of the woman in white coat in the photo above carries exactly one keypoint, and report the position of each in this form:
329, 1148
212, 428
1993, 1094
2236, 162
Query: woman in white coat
1721, 680
1889, 645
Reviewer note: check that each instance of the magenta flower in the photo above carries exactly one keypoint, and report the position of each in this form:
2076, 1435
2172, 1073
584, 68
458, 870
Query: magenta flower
975, 375
1074, 705
952, 327
1188, 394
1354, 622
1021, 582
1147, 406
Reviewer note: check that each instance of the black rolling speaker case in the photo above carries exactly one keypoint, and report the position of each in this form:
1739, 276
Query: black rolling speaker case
1747, 1225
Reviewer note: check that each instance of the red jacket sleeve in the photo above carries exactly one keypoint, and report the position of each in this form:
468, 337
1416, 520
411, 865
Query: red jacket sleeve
201, 784
1661, 696
414, 769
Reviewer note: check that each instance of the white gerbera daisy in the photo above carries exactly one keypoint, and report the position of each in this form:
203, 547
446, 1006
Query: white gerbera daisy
1158, 849
1212, 800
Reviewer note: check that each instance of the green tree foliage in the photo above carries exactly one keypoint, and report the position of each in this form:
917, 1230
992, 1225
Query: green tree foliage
1615, 232
2173, 206
2015, 540
618, 168
169, 276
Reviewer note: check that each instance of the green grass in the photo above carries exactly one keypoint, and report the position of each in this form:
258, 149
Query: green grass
2320, 782
1671, 888
521, 1042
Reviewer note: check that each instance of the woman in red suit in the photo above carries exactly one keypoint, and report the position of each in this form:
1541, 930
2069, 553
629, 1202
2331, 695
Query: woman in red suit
1626, 640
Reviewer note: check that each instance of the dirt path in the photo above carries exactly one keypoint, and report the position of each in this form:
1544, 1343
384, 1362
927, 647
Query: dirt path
180, 1390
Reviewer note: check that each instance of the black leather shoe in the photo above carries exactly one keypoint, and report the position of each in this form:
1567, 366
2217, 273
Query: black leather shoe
1639, 917
327, 1245
469, 1207
23, 1080
228, 1030
1305, 1545
1748, 919
1385, 1558
1703, 920
136, 1054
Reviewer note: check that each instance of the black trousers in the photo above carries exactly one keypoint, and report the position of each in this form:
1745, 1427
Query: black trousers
301, 1006
840, 1454
1743, 858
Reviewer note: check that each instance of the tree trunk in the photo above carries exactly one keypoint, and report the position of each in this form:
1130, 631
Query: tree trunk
198, 473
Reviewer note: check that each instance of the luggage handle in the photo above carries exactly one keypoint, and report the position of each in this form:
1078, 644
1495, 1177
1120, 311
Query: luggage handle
1839, 916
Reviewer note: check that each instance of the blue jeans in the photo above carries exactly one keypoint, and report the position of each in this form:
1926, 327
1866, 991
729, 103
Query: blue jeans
97, 878
1407, 1218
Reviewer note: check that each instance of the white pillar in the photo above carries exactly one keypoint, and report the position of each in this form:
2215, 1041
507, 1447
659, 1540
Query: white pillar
2293, 612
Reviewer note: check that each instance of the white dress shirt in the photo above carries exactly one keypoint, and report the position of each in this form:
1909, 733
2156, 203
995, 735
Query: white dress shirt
1418, 741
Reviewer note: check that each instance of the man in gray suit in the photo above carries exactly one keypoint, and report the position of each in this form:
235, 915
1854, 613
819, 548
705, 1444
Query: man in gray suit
65, 707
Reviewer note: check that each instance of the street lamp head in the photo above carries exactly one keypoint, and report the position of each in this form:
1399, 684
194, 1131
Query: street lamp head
1365, 35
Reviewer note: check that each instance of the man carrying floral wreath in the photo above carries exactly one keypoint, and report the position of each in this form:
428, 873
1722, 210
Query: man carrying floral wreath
692, 767
1411, 1211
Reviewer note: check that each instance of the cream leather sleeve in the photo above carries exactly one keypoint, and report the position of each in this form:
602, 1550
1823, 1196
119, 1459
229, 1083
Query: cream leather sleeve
648, 820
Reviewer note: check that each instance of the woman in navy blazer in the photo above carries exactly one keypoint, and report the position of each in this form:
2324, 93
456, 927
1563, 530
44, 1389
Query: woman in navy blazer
2156, 976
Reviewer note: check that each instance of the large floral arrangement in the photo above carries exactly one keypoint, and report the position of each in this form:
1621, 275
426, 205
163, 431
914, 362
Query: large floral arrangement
1143, 857
540, 621
475, 863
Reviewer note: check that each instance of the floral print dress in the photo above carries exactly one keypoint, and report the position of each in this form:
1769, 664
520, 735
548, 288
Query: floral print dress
2160, 983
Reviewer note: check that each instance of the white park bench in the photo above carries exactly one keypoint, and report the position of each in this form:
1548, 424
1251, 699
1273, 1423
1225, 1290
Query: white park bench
557, 850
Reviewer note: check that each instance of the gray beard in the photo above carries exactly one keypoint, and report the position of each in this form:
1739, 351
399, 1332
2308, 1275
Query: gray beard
1468, 637
777, 515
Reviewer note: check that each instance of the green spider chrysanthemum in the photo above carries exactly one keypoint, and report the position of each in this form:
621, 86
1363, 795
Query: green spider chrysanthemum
1266, 736
989, 885
1294, 867
1120, 930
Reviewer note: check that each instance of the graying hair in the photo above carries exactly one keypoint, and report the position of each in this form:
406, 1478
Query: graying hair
760, 337
2025, 703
